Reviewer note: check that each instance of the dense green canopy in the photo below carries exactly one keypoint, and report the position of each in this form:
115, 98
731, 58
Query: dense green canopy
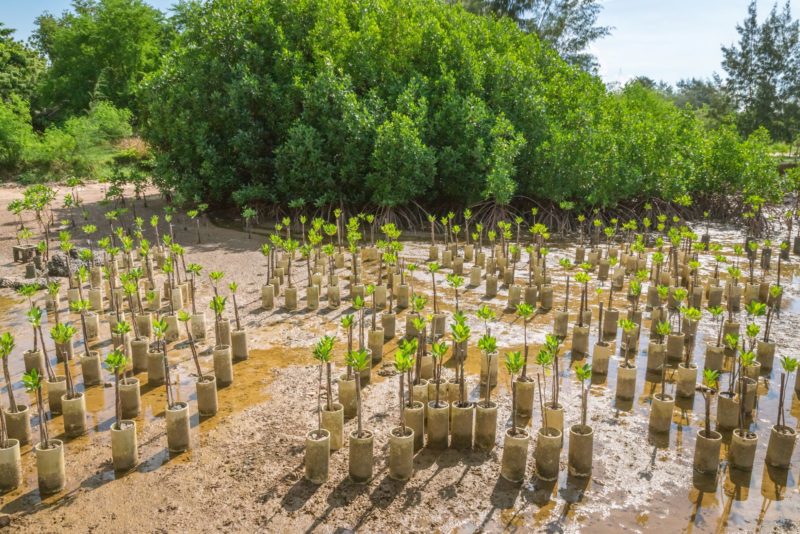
392, 101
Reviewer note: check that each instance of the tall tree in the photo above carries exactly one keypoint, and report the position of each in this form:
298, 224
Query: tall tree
569, 26
763, 71
102, 49
20, 67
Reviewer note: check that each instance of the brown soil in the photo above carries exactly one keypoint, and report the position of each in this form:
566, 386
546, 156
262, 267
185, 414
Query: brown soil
245, 470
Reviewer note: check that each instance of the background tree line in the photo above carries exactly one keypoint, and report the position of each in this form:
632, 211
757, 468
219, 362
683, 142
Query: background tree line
386, 102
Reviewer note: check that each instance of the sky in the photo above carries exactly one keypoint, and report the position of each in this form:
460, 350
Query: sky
663, 39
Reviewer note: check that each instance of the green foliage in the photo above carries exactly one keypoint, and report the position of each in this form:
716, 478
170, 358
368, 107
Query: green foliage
101, 49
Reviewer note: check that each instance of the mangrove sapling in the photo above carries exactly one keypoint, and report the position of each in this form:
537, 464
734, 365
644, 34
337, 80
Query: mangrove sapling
35, 315
194, 271
420, 328
33, 384
358, 306
347, 323
708, 388
717, 313
62, 334
403, 363
116, 362
514, 364
217, 305
461, 333
358, 361
525, 312
233, 287
488, 345
455, 281
6, 347
433, 268
678, 296
774, 301
584, 373
789, 365
323, 352
160, 328
438, 352
184, 317
583, 279
544, 359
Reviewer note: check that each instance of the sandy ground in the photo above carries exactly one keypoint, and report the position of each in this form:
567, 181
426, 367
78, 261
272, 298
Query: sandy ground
245, 470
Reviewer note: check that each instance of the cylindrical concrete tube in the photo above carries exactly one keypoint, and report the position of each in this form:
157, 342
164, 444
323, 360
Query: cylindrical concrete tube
380, 297
748, 396
447, 259
514, 297
333, 422
50, 471
317, 457
546, 297
491, 286
90, 369
207, 395
706, 451
548, 453
173, 331
561, 323
223, 365
267, 296
515, 455
581, 444
312, 297
426, 367
18, 424
433, 253
462, 425
403, 296
124, 445
199, 326
675, 344
531, 295
437, 325
347, 395
743, 449
554, 417
656, 353
388, 322
145, 324
485, 425
334, 295
74, 414
419, 393
490, 364
765, 354
361, 456
580, 339
92, 326
130, 397
602, 270
34, 359
687, 380
715, 296
438, 426
155, 368
475, 276
401, 453
727, 411
239, 344
414, 416
10, 465
525, 390
178, 436
458, 265
375, 344
602, 353
176, 296
626, 382
290, 300
96, 300
139, 349
610, 320
781, 446
715, 357
56, 390
661, 413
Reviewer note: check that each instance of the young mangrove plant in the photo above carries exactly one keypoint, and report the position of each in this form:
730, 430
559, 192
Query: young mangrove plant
514, 364
116, 362
160, 327
708, 388
584, 373
33, 384
323, 352
184, 317
789, 365
438, 352
358, 361
461, 333
403, 363
62, 334
525, 312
